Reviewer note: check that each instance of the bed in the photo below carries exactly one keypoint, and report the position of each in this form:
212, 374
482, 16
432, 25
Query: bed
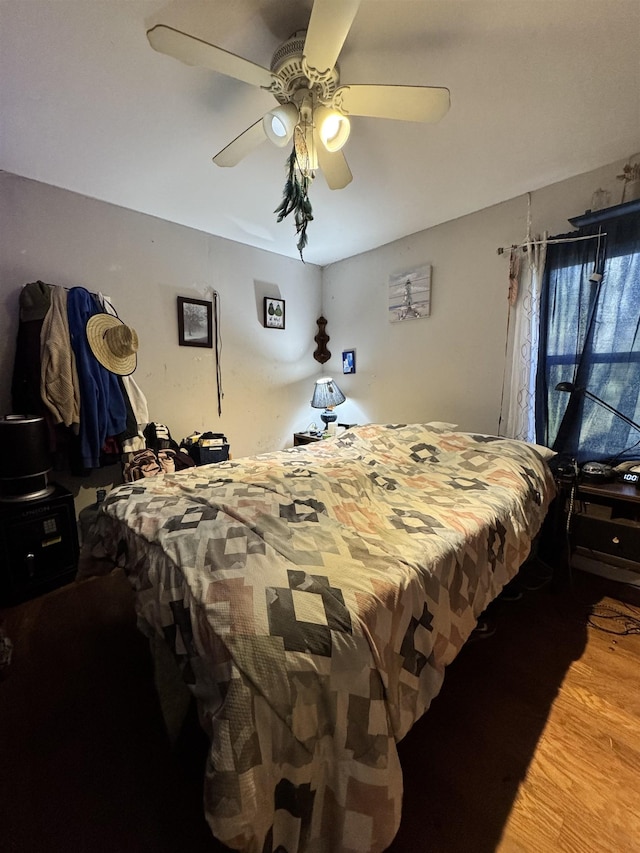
312, 599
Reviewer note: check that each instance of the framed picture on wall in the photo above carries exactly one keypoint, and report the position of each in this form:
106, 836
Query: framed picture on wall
273, 313
349, 361
410, 294
194, 322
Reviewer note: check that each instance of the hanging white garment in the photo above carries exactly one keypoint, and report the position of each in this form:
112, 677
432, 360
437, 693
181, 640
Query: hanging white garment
522, 388
138, 401
107, 305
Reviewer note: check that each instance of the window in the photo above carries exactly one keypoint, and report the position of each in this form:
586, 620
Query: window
590, 337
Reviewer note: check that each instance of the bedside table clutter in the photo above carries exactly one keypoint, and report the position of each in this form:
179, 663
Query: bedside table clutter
309, 437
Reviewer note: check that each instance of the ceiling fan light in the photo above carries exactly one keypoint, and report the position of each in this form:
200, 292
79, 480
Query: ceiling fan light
280, 123
333, 128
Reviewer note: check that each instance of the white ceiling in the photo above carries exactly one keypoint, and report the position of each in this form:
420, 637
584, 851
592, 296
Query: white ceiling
541, 90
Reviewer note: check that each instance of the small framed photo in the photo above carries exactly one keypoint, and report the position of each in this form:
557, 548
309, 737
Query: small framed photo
195, 322
349, 361
273, 313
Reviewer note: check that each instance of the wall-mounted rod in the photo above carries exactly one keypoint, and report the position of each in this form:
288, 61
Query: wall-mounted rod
504, 249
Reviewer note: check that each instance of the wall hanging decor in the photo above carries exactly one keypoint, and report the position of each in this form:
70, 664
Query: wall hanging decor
273, 313
195, 322
349, 361
410, 294
322, 354
631, 179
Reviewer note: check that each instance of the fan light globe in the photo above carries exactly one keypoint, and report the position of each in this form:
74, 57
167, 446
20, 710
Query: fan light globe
333, 128
280, 123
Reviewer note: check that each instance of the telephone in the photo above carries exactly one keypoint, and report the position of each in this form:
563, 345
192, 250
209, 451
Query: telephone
599, 471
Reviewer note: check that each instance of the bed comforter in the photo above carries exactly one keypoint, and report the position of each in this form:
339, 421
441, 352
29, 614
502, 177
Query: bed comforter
313, 598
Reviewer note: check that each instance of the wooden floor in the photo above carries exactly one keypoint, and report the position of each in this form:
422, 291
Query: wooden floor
533, 745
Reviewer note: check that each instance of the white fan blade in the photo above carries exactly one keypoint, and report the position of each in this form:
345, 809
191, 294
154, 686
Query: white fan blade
334, 167
195, 51
328, 28
242, 145
406, 103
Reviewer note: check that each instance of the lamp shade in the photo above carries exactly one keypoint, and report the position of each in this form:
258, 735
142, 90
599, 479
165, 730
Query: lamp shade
326, 394
280, 123
333, 127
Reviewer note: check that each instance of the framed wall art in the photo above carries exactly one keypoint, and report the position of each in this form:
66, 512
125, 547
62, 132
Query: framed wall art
410, 294
349, 361
273, 313
194, 322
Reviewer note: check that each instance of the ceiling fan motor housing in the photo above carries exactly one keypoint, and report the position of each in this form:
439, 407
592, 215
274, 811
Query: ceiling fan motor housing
289, 65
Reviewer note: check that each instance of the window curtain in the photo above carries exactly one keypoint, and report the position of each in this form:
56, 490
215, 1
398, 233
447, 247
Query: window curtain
526, 310
590, 337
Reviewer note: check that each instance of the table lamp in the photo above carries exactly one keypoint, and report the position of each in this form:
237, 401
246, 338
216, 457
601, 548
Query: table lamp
327, 395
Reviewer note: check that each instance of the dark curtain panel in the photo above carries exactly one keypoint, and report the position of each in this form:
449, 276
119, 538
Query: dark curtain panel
589, 336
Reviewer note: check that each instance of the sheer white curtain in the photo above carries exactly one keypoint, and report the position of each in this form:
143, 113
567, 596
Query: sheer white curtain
525, 308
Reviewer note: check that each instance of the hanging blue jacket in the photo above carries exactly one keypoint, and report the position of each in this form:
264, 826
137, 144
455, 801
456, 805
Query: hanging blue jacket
102, 407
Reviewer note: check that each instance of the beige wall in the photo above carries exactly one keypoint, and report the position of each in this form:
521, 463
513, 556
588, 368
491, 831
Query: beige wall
143, 264
448, 366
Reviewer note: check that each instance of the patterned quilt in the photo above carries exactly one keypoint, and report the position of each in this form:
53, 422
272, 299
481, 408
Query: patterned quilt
313, 598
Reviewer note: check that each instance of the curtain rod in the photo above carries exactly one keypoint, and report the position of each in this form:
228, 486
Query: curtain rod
504, 249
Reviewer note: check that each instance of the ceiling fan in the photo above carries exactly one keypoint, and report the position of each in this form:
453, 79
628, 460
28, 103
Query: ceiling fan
313, 108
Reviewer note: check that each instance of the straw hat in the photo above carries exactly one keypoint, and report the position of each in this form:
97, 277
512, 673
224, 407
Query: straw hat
113, 344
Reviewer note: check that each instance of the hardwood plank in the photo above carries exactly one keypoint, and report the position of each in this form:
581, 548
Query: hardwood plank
535, 822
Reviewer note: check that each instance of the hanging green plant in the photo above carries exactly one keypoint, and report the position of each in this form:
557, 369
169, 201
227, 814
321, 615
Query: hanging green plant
295, 199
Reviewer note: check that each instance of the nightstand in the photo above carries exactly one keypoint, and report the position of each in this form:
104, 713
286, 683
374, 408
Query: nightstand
605, 522
38, 545
305, 438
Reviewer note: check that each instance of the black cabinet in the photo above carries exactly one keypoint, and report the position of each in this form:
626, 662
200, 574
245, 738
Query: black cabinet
38, 545
604, 523
607, 523
305, 438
